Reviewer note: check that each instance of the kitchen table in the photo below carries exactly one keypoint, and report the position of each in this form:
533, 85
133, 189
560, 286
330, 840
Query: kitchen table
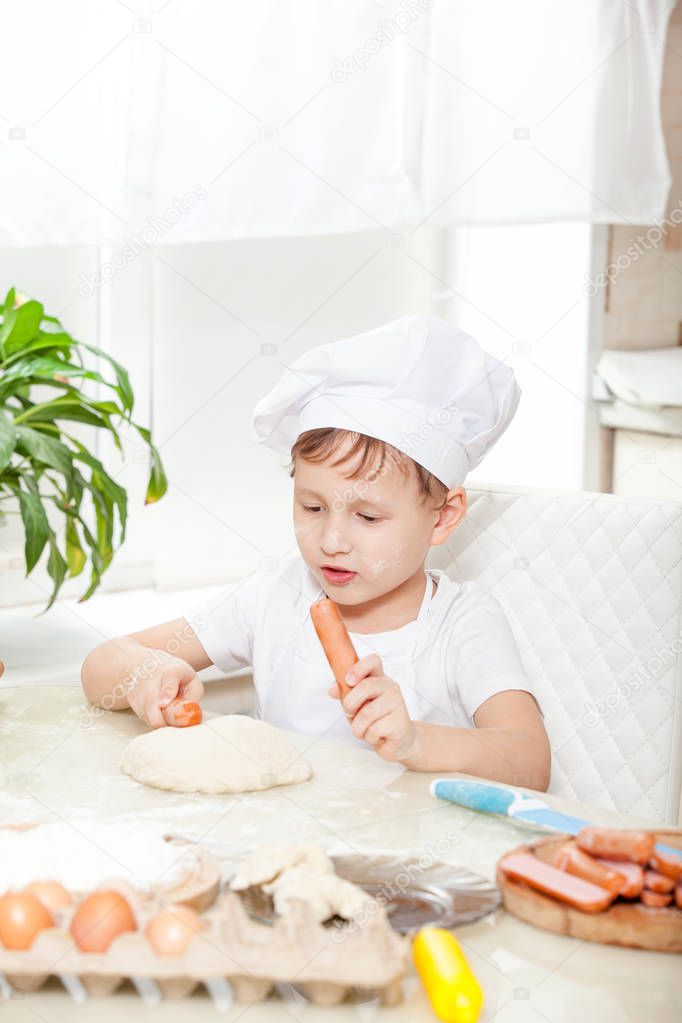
59, 756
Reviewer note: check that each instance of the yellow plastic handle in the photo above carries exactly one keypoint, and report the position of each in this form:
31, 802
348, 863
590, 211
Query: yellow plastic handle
452, 989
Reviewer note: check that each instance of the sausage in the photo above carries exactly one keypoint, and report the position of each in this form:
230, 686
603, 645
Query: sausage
655, 882
182, 713
583, 895
678, 894
575, 861
633, 873
656, 898
336, 643
616, 844
667, 863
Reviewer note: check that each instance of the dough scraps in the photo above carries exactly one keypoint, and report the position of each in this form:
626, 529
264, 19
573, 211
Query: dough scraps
300, 873
326, 894
268, 861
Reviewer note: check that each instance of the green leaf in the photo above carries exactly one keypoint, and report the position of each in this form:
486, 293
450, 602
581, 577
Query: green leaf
104, 515
54, 372
36, 527
7, 440
65, 407
75, 555
97, 561
115, 492
42, 367
109, 408
158, 482
122, 377
19, 326
44, 449
10, 317
76, 487
31, 481
80, 409
60, 342
56, 568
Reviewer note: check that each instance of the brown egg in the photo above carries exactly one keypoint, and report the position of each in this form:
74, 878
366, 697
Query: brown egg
170, 931
99, 919
52, 894
22, 917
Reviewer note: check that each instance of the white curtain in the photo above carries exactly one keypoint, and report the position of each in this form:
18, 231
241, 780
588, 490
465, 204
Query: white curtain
144, 123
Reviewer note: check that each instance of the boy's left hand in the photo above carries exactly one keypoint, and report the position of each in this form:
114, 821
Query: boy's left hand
383, 721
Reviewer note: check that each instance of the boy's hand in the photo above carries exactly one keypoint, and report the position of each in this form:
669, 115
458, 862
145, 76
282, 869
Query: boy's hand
376, 709
153, 687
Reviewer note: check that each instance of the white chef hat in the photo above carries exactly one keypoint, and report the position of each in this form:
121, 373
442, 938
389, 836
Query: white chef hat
418, 383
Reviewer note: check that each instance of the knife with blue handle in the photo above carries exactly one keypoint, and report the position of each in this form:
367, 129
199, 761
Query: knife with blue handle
490, 798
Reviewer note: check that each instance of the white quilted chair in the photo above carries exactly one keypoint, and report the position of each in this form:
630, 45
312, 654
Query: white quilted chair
591, 584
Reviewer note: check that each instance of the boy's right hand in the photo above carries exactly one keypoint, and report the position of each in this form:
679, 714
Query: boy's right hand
152, 690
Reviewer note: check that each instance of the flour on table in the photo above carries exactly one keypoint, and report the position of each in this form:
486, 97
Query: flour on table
82, 853
233, 753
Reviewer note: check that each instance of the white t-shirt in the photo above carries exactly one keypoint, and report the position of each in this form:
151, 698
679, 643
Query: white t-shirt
457, 653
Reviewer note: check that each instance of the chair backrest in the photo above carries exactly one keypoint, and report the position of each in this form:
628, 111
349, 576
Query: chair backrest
592, 586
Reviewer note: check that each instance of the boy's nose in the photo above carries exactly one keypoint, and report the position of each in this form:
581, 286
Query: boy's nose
333, 541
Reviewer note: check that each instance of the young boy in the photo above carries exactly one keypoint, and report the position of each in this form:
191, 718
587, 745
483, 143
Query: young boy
381, 429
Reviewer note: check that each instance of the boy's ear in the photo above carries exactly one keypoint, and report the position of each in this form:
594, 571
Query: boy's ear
450, 515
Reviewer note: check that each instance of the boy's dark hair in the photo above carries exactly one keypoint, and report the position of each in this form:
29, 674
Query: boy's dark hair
319, 445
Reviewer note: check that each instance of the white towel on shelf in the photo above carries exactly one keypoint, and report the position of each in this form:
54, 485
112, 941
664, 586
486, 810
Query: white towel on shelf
651, 377
621, 415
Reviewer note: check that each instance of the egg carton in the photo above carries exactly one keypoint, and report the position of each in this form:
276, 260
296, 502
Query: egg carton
235, 957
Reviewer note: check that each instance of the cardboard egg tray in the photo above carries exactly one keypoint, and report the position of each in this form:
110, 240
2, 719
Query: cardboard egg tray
234, 957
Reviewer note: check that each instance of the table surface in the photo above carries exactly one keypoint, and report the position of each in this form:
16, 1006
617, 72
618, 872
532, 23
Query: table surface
59, 758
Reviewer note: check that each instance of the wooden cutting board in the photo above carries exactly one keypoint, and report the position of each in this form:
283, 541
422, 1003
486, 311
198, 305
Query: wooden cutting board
624, 923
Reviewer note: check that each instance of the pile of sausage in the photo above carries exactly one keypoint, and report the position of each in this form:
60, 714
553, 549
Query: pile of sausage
601, 865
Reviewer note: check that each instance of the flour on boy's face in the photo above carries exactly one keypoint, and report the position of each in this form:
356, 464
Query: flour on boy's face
375, 527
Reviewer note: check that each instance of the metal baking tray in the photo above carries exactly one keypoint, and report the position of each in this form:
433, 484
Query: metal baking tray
414, 894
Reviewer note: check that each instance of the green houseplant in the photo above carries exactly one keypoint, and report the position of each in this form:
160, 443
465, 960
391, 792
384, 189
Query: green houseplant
42, 465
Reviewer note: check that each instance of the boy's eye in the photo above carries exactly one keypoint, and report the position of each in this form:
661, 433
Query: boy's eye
316, 507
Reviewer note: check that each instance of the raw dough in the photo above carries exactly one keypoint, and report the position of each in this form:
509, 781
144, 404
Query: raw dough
326, 894
233, 753
268, 861
301, 872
